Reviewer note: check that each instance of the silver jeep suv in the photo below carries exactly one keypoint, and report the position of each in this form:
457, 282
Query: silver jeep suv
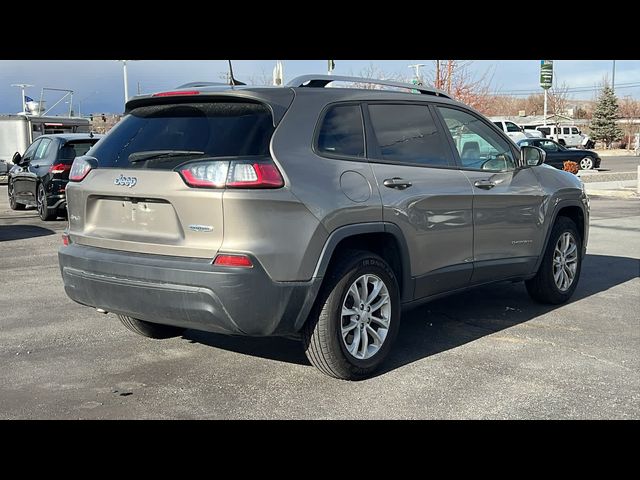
311, 211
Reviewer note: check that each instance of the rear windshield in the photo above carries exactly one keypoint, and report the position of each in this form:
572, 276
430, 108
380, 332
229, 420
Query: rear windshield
221, 129
75, 148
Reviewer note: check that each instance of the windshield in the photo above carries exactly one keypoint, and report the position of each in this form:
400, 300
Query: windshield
164, 136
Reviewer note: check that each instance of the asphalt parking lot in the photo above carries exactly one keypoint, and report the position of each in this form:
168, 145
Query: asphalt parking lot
488, 353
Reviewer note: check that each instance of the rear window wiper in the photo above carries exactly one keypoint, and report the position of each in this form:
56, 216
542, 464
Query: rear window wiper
149, 154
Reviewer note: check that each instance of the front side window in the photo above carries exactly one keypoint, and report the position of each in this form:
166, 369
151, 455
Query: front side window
512, 127
28, 154
549, 146
408, 134
574, 131
479, 147
342, 132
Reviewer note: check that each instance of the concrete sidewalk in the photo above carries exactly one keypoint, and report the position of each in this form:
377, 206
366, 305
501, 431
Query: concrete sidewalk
621, 189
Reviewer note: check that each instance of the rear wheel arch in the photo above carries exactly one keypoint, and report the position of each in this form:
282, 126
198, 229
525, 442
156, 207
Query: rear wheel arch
383, 239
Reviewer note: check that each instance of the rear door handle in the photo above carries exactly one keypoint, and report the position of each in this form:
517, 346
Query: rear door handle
397, 183
484, 184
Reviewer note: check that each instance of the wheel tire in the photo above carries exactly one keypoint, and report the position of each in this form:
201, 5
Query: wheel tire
12, 199
150, 330
322, 333
43, 209
542, 288
586, 163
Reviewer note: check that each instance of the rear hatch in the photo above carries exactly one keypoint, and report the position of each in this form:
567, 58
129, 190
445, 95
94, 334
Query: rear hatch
136, 200
68, 151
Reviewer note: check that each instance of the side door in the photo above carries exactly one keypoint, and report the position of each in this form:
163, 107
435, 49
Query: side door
422, 192
38, 166
507, 201
20, 180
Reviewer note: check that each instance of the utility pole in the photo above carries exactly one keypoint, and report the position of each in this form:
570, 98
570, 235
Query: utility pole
613, 78
22, 86
545, 107
437, 85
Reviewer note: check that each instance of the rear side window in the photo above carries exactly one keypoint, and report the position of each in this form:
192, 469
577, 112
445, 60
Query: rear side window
408, 134
342, 132
498, 124
42, 150
566, 130
216, 129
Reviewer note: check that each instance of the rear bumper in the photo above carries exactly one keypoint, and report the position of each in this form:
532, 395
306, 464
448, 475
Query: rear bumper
185, 292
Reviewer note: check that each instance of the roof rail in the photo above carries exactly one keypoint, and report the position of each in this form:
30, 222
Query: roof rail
321, 81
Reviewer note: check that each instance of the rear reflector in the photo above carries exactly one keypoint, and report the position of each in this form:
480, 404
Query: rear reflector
65, 239
176, 93
233, 261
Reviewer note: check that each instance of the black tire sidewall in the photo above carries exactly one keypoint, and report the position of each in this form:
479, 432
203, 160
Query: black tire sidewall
42, 198
12, 198
367, 265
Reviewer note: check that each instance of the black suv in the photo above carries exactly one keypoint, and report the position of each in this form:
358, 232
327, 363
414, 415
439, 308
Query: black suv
40, 176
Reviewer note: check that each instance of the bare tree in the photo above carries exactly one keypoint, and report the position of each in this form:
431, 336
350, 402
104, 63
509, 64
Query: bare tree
373, 72
629, 115
263, 79
454, 77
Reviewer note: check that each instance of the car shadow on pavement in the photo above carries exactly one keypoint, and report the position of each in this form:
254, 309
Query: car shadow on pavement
449, 322
20, 232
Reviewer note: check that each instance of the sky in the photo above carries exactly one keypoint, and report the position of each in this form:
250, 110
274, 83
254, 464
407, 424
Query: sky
98, 84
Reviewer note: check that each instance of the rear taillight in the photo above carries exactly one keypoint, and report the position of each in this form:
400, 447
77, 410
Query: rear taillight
65, 239
232, 174
59, 168
81, 167
233, 261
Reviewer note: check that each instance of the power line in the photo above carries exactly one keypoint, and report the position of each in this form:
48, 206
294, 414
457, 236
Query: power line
515, 93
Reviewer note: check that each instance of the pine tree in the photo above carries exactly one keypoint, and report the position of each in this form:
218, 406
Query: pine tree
603, 124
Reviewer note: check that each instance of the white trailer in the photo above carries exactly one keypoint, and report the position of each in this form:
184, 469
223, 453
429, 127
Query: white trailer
17, 132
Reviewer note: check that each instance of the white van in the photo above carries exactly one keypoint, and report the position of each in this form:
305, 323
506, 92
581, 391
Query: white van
514, 131
567, 135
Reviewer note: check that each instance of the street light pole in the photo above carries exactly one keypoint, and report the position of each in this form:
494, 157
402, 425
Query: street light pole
22, 86
545, 106
417, 67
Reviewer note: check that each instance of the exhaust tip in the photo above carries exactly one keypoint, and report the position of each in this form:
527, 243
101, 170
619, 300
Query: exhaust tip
101, 310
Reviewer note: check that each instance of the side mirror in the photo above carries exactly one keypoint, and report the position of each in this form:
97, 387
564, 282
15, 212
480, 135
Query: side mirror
17, 158
532, 156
